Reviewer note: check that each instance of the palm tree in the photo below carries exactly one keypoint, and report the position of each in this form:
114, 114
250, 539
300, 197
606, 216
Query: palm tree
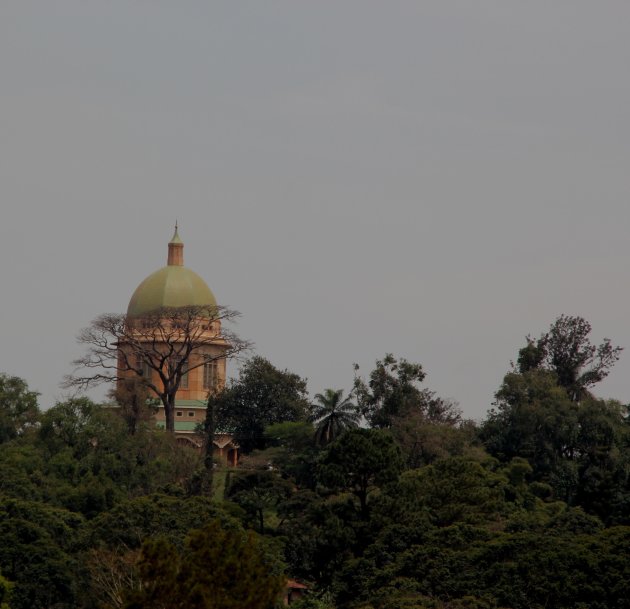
332, 415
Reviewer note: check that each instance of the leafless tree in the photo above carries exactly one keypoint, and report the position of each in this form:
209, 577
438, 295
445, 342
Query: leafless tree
158, 349
111, 574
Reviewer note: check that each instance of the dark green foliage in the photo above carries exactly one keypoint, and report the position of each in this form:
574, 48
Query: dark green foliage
218, 569
359, 462
566, 350
18, 407
534, 419
577, 448
544, 413
320, 535
424, 442
332, 414
5, 592
399, 598
417, 516
262, 395
310, 601
38, 553
130, 522
392, 390
21, 471
520, 570
92, 462
451, 491
258, 492
292, 449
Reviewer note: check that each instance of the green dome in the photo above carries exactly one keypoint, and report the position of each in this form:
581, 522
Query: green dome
171, 286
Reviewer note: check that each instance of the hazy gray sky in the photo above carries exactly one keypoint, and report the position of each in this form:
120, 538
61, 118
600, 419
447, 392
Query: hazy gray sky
433, 179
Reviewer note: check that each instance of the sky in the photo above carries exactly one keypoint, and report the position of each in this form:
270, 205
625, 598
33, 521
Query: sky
433, 179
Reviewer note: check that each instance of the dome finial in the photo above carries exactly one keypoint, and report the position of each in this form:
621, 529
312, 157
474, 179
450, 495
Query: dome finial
175, 250
176, 238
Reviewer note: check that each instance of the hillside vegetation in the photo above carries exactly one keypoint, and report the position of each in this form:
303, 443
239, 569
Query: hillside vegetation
383, 497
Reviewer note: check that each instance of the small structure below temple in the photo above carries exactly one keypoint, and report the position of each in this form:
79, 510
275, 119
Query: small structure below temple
293, 591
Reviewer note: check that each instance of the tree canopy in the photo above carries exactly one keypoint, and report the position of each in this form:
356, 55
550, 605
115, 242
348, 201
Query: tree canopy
359, 461
332, 414
218, 569
18, 407
544, 412
261, 396
415, 508
393, 391
567, 351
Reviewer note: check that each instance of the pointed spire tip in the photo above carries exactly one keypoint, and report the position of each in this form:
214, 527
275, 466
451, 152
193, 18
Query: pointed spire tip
176, 238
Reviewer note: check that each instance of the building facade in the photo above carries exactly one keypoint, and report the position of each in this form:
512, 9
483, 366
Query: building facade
174, 288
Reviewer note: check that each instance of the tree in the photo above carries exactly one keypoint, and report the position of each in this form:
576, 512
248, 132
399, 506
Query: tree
204, 481
567, 351
5, 592
129, 523
360, 461
134, 405
112, 574
261, 396
257, 492
219, 569
87, 461
603, 460
67, 424
319, 536
18, 407
37, 553
424, 442
332, 415
545, 413
452, 490
533, 418
291, 448
392, 391
159, 349
580, 449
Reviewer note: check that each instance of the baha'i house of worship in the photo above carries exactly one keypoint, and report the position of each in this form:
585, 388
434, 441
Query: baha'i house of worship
173, 287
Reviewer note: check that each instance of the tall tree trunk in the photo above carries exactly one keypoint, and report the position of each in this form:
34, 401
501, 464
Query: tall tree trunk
132, 423
169, 412
208, 462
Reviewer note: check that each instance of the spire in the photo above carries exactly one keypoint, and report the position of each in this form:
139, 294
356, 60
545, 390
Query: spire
175, 250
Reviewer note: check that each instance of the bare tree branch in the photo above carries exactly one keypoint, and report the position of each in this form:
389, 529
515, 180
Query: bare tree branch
158, 349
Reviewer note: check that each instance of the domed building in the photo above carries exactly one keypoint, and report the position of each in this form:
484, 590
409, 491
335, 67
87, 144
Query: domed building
174, 285
175, 329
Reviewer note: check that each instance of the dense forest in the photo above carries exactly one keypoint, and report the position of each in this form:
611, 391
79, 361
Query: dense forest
380, 497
